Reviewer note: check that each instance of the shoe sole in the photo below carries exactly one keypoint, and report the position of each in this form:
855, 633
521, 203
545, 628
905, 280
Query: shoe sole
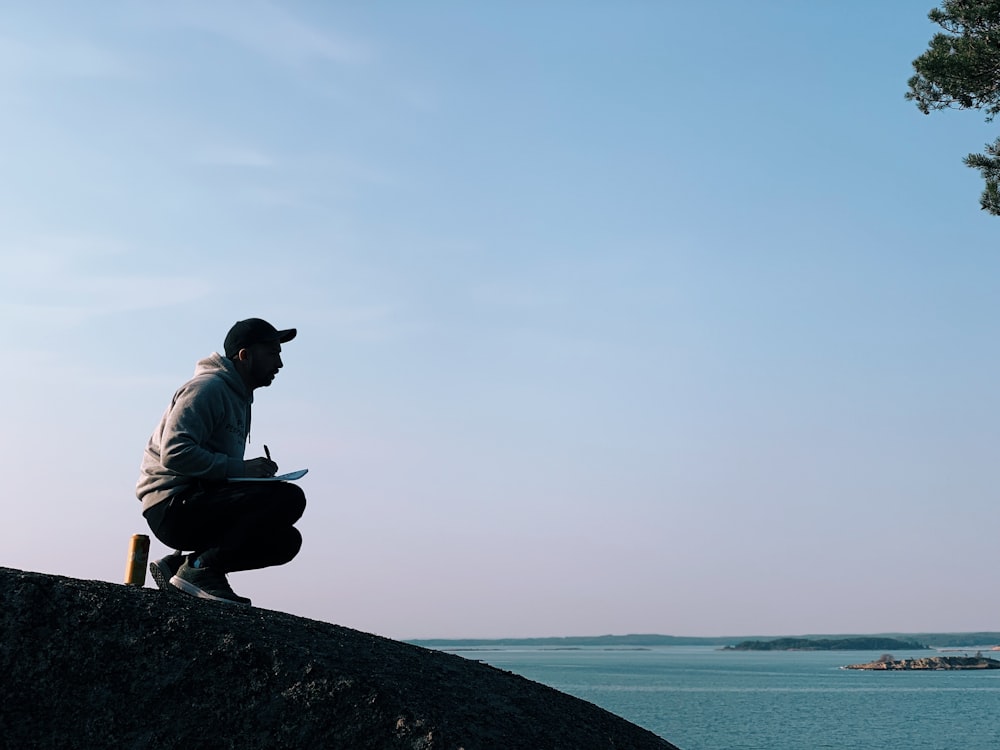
162, 574
189, 588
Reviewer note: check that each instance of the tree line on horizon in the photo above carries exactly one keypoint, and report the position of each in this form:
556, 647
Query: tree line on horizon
828, 644
923, 640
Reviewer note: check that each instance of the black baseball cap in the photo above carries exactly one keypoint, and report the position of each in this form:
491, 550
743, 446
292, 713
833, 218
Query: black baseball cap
252, 331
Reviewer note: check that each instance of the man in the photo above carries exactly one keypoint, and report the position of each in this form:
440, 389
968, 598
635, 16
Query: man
198, 447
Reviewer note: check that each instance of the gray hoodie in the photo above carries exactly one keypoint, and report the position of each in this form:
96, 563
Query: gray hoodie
202, 434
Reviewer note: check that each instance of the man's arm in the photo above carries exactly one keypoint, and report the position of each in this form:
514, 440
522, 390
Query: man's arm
196, 439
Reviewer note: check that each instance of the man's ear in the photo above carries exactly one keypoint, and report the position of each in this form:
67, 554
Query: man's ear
243, 355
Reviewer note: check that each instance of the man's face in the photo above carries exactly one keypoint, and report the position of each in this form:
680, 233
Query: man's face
262, 363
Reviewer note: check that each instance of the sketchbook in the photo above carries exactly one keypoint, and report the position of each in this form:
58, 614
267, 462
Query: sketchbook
292, 475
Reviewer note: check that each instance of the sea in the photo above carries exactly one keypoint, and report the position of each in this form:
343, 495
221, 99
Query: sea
704, 698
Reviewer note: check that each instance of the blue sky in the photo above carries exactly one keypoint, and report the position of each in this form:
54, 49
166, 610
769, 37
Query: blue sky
613, 317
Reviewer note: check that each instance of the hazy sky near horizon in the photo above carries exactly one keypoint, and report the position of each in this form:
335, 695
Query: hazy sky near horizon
613, 317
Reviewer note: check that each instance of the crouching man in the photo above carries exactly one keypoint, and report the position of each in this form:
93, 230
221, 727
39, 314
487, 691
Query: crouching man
198, 446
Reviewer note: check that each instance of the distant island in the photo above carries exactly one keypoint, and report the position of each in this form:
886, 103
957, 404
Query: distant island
887, 663
981, 639
827, 644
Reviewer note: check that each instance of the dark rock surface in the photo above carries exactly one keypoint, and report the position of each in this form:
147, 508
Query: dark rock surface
89, 664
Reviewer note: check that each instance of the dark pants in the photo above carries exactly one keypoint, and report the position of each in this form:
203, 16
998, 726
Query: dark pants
232, 525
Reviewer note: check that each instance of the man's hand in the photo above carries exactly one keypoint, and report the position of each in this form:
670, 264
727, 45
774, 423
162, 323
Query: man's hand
260, 467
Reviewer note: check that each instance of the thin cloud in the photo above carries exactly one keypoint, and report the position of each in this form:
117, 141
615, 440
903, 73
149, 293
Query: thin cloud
516, 296
61, 281
234, 156
95, 297
60, 58
366, 322
269, 197
267, 30
36, 366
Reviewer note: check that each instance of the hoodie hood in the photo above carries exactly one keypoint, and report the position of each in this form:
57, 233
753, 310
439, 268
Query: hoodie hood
215, 365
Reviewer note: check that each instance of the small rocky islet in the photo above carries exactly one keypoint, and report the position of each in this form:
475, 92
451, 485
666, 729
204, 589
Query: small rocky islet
928, 663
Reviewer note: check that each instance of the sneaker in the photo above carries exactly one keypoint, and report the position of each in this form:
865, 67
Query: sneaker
166, 568
206, 583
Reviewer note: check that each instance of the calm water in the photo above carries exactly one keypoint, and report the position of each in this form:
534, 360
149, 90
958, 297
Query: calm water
700, 698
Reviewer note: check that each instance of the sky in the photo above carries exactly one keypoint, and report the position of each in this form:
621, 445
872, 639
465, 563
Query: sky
613, 317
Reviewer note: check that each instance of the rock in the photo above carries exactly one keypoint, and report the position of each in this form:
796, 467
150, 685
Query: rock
930, 663
89, 664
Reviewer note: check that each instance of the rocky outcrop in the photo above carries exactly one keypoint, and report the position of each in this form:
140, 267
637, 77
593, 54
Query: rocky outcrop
930, 662
88, 664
